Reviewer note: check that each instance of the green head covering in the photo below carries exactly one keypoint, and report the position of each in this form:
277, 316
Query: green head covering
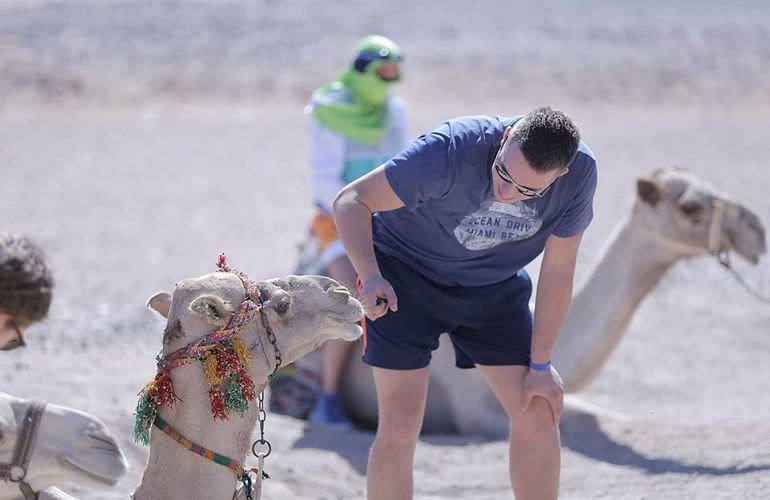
354, 105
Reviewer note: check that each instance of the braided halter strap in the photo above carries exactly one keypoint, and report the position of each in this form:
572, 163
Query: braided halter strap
225, 360
15, 471
194, 447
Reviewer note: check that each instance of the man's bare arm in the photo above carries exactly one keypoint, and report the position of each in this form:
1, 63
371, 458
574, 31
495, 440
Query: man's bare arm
554, 294
353, 208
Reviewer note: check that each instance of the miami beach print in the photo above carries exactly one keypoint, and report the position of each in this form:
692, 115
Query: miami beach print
495, 223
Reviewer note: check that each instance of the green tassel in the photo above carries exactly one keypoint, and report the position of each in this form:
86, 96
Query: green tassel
145, 416
234, 399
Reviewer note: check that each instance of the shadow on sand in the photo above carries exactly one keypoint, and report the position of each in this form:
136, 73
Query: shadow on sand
580, 432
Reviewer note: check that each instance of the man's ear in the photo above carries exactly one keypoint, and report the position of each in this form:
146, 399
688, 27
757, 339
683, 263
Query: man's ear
648, 191
212, 308
505, 135
160, 303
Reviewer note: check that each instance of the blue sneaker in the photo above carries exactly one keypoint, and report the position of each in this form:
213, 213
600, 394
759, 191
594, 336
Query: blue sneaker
328, 412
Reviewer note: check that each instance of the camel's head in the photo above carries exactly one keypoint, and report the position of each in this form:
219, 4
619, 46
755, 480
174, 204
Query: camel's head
303, 311
71, 447
695, 219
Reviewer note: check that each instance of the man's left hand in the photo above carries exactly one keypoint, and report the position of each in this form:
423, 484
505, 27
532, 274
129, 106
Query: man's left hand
547, 385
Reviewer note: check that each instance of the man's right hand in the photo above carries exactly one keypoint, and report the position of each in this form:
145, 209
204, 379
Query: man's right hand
377, 297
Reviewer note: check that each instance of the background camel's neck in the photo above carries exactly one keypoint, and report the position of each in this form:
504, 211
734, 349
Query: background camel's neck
601, 310
175, 472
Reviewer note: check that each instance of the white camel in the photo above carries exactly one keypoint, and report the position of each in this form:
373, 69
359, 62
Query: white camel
70, 447
675, 216
301, 311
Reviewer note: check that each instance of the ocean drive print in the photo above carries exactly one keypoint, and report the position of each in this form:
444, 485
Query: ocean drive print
495, 223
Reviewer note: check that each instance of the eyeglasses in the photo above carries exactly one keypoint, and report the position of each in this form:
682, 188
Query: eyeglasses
523, 190
14, 343
364, 58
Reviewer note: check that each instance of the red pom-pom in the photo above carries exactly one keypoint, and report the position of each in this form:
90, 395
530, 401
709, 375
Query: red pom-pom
221, 261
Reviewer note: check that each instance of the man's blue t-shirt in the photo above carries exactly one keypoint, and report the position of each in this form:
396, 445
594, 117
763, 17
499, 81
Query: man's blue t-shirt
452, 229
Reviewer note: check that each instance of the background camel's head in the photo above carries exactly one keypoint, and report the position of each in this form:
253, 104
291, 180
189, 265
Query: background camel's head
683, 211
303, 311
71, 447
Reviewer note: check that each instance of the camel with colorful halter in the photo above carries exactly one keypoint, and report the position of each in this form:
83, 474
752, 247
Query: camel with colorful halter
225, 335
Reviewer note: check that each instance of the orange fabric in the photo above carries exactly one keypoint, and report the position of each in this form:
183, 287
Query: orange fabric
324, 229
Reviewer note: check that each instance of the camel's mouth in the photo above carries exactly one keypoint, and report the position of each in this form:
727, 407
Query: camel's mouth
348, 328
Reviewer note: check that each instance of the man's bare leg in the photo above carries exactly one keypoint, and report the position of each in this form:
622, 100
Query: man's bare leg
535, 449
401, 396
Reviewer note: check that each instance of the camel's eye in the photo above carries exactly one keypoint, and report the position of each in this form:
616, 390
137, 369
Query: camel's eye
691, 208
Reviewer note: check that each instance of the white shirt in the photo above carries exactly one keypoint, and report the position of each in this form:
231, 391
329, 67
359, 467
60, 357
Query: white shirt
336, 160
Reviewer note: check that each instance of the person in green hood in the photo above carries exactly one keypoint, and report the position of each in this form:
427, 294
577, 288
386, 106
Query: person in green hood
356, 125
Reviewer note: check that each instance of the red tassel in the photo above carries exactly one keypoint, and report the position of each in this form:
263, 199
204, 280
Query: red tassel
247, 386
221, 262
164, 390
217, 404
227, 362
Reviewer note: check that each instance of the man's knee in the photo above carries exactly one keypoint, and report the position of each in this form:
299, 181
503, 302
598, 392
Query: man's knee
537, 420
402, 423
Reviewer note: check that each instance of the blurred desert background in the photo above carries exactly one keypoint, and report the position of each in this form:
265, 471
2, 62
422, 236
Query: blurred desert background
139, 139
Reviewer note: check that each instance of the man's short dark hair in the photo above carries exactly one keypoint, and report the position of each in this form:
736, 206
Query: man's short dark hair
548, 139
26, 283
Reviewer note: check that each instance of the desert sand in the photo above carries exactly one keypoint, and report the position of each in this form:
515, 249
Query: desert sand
140, 139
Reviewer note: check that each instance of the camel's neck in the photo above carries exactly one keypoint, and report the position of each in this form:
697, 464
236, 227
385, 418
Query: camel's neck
173, 471
601, 310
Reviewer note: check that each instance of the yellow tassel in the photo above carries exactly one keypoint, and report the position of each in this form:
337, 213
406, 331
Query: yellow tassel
210, 369
244, 356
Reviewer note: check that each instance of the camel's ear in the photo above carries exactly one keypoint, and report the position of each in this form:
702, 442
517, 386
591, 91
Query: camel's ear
648, 191
212, 308
275, 298
160, 303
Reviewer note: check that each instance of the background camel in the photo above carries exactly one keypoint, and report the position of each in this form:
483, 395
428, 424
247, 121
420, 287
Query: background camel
303, 312
675, 216
72, 447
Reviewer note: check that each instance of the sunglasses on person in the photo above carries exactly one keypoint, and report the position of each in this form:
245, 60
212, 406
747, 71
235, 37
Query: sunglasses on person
364, 58
15, 342
503, 173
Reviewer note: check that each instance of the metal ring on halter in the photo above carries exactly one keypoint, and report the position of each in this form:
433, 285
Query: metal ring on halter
12, 477
261, 442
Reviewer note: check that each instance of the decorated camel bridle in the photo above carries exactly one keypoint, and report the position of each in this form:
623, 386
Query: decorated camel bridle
225, 360
15, 471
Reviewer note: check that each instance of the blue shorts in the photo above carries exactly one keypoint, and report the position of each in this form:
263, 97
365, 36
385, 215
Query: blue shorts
488, 325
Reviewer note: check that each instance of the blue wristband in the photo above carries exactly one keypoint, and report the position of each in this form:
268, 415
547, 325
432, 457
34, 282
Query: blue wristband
540, 367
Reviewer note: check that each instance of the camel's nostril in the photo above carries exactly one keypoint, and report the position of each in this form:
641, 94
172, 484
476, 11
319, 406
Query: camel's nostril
340, 291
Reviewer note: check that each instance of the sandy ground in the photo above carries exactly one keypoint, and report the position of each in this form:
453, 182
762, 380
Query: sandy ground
140, 139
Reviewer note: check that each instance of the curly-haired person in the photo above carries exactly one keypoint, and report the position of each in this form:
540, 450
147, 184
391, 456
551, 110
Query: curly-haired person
26, 285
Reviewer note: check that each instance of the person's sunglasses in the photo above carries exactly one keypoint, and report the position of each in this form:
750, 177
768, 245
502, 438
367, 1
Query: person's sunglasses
16, 342
502, 172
